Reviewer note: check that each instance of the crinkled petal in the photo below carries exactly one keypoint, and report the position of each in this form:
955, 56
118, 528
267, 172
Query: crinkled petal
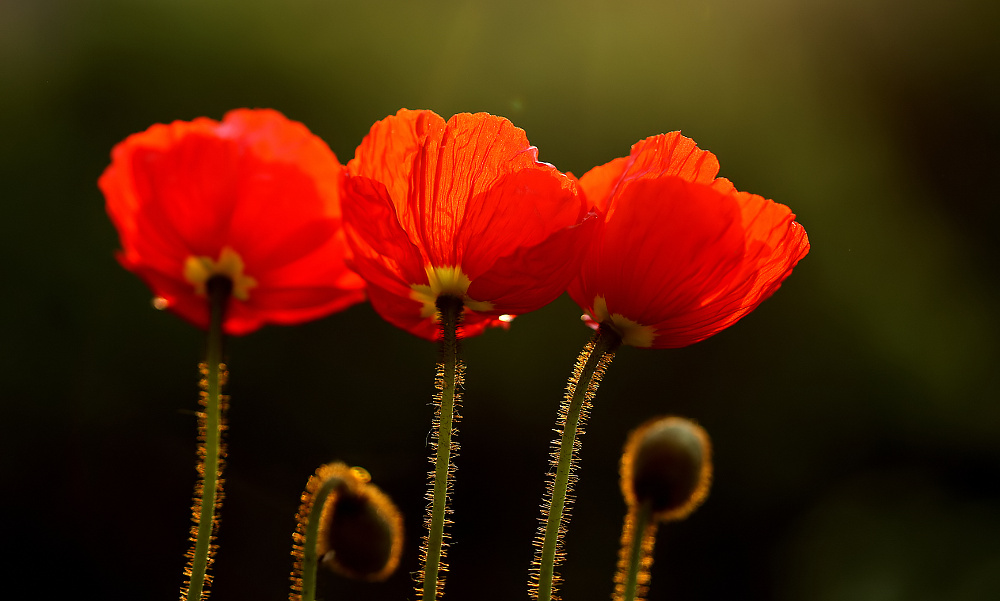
376, 235
687, 259
529, 279
666, 242
657, 156
467, 200
681, 255
521, 211
431, 170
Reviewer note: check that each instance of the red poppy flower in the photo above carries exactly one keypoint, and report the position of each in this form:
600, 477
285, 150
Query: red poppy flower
681, 255
254, 198
461, 208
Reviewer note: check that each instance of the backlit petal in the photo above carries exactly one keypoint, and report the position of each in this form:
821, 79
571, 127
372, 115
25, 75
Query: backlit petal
654, 157
529, 279
466, 197
257, 184
681, 255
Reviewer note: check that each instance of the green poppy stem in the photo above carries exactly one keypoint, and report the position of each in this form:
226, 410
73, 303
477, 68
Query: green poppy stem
211, 423
310, 559
449, 379
588, 371
637, 533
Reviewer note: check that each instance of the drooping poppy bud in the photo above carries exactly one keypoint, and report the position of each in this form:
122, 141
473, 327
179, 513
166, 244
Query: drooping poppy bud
361, 532
349, 525
666, 470
667, 463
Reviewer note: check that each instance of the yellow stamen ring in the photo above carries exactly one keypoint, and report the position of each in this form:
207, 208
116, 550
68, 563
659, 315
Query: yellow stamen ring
445, 281
198, 270
632, 333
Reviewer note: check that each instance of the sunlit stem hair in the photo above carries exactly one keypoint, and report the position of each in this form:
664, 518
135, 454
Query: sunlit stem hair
349, 524
450, 377
211, 449
588, 371
666, 470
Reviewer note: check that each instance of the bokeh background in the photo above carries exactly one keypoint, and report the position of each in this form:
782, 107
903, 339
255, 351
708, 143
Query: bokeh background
855, 414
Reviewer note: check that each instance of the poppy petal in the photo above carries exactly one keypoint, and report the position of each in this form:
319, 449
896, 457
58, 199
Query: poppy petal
256, 186
686, 260
510, 288
658, 156
519, 212
461, 208
375, 233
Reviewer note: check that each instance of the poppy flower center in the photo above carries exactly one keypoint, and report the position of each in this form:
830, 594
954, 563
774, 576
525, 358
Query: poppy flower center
198, 270
445, 281
632, 333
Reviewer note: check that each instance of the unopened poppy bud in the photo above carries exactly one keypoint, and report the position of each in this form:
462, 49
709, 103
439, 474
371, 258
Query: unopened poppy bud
347, 523
667, 463
360, 533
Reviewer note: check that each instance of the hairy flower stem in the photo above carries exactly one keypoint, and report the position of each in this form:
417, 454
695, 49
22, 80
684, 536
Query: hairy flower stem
211, 451
635, 556
590, 366
449, 379
310, 559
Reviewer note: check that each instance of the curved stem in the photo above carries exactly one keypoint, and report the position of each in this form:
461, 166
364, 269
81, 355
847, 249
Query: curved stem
580, 390
448, 379
208, 493
309, 557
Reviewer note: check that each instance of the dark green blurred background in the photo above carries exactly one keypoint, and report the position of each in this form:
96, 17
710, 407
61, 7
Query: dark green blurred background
855, 415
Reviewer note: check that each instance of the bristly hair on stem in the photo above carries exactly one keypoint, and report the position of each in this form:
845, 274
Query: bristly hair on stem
211, 450
588, 371
635, 556
449, 379
313, 501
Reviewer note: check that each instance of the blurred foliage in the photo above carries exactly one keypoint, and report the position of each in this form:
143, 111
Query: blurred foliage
854, 415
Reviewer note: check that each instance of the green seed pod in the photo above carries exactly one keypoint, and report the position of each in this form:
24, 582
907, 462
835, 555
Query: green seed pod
667, 463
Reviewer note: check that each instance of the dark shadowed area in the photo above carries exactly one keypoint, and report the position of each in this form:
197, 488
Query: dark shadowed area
854, 415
